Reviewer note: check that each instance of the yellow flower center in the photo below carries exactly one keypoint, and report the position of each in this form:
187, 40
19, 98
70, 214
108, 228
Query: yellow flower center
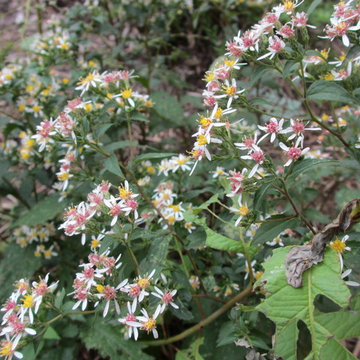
229, 63
36, 108
47, 254
28, 301
88, 107
90, 77
149, 325
6, 349
338, 246
126, 94
201, 139
95, 243
63, 176
123, 193
143, 283
218, 113
288, 5
21, 107
243, 211
171, 219
230, 91
205, 122
329, 76
150, 170
209, 77
258, 275
99, 288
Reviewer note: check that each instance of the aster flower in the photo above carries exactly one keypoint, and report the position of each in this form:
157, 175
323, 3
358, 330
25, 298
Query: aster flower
166, 298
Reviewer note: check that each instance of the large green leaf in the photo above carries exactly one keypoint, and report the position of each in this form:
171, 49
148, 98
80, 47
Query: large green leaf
156, 254
303, 166
112, 165
271, 229
109, 341
167, 106
17, 263
42, 212
286, 306
330, 91
218, 241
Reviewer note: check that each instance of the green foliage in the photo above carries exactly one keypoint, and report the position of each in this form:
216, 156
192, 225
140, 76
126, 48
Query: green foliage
109, 341
322, 279
26, 266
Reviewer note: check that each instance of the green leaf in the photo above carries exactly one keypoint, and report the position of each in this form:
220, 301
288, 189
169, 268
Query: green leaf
50, 333
218, 241
109, 341
313, 6
270, 230
112, 165
259, 197
139, 117
330, 91
150, 156
16, 263
119, 145
303, 166
286, 305
42, 212
167, 106
156, 254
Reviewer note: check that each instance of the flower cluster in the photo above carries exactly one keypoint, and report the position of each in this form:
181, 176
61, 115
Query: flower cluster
19, 310
100, 201
96, 284
345, 18
39, 234
109, 88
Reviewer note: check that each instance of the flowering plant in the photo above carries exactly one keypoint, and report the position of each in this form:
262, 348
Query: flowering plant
150, 241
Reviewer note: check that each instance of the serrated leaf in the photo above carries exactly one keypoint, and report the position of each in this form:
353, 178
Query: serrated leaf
50, 333
305, 165
167, 106
110, 341
42, 212
150, 156
112, 165
156, 254
119, 145
330, 91
271, 229
218, 241
286, 305
16, 263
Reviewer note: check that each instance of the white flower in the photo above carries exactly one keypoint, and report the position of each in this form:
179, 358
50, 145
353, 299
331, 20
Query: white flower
166, 298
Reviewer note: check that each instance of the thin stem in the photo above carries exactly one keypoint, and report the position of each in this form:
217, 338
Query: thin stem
128, 120
242, 295
298, 212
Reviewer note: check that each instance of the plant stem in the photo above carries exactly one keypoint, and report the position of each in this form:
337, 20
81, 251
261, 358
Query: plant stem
298, 212
242, 295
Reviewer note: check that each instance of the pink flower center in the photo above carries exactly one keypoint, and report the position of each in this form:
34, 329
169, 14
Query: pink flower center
294, 153
132, 204
134, 291
277, 46
109, 292
115, 210
249, 142
167, 297
298, 127
258, 156
130, 317
88, 273
272, 127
